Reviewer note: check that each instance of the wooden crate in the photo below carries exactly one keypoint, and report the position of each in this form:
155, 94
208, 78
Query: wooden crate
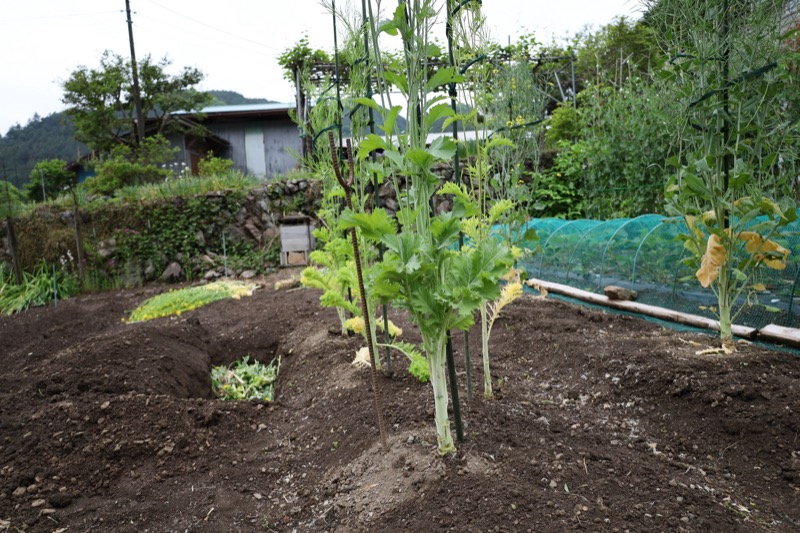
296, 240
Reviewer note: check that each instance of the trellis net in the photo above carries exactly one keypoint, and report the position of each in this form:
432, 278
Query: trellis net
646, 255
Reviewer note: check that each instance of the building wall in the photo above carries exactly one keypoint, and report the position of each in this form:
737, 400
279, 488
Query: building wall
234, 134
282, 145
262, 148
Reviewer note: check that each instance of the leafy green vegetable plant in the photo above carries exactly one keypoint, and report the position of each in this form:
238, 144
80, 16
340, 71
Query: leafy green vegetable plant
180, 301
423, 269
245, 380
737, 80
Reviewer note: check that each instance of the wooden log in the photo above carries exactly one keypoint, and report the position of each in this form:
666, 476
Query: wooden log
780, 334
644, 309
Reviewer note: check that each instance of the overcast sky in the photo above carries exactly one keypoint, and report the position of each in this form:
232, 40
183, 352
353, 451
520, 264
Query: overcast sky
234, 42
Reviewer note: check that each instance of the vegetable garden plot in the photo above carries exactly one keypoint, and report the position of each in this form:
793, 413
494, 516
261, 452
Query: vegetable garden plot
646, 254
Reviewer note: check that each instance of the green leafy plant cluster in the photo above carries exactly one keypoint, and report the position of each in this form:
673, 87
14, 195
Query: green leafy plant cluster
736, 80
245, 380
38, 288
124, 167
11, 200
213, 166
176, 302
163, 230
49, 178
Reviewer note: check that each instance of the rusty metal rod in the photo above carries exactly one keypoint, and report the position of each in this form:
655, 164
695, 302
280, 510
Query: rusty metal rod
347, 186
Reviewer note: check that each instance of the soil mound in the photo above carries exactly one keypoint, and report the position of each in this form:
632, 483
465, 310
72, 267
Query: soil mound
600, 422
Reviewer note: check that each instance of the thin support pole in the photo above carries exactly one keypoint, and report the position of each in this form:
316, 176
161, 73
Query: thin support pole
336, 73
456, 167
348, 192
224, 254
451, 370
55, 286
375, 186
78, 236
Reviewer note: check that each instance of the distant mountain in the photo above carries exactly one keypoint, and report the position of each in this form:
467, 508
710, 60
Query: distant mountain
52, 137
234, 98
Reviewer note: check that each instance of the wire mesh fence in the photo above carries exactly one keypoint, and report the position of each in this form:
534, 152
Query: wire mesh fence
645, 254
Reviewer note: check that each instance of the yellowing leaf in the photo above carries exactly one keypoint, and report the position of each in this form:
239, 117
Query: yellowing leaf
362, 358
394, 330
758, 248
712, 260
355, 324
759, 287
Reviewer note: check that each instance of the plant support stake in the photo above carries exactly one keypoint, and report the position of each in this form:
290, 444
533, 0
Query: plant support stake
346, 185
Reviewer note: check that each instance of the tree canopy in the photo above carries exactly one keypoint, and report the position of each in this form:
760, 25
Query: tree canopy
101, 105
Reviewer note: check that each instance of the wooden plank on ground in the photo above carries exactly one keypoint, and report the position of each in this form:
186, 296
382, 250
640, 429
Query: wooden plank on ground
780, 334
645, 309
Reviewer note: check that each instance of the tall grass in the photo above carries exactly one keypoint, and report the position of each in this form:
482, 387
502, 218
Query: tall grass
187, 186
37, 289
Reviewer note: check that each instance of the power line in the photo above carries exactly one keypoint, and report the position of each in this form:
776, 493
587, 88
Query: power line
193, 36
21, 19
214, 28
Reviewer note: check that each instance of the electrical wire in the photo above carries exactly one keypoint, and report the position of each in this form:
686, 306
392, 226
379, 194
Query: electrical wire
214, 28
195, 37
42, 17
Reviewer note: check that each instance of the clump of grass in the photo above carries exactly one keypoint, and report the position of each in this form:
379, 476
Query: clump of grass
244, 380
187, 186
180, 301
36, 290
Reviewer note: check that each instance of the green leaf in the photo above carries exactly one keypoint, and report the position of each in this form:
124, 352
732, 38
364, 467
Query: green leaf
369, 102
369, 144
375, 226
530, 235
398, 80
498, 209
499, 141
463, 204
391, 119
444, 230
437, 112
388, 26
433, 51
420, 157
696, 185
443, 76
443, 148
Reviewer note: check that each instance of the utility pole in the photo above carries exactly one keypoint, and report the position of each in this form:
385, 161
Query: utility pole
137, 99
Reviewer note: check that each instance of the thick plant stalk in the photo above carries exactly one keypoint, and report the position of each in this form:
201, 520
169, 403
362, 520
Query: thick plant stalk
436, 350
725, 304
487, 374
346, 185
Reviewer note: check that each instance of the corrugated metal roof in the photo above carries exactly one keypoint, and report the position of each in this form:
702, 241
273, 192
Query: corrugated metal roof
245, 108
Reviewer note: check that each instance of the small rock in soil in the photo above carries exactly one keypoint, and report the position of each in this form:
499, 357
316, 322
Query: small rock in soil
59, 500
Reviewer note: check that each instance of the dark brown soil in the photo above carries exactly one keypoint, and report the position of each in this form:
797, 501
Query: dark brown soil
600, 423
